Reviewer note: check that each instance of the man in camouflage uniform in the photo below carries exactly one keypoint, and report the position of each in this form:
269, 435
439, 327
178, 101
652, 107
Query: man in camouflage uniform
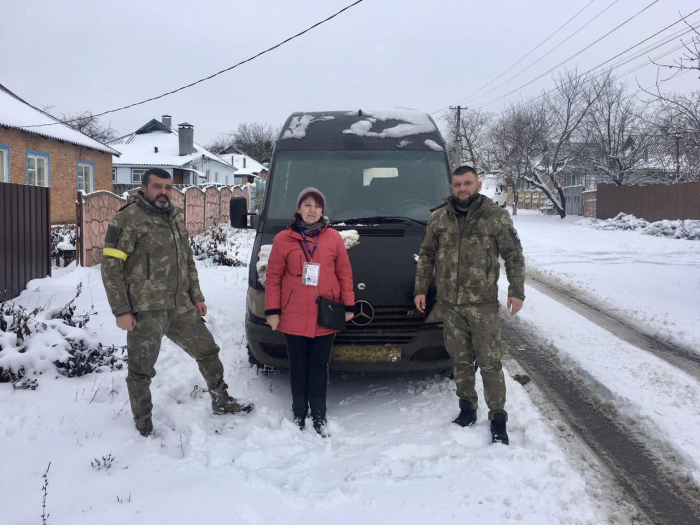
152, 286
462, 242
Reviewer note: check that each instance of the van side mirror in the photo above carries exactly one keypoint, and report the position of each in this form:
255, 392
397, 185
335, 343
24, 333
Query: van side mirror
238, 208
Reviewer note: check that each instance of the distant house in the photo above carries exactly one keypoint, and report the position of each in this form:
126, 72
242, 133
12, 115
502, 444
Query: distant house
247, 168
157, 144
38, 150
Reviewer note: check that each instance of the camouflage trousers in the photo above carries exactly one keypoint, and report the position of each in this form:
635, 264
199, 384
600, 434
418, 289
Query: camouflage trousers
471, 333
184, 327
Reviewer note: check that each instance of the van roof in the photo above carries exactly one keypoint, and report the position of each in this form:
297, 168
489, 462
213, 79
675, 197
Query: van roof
360, 130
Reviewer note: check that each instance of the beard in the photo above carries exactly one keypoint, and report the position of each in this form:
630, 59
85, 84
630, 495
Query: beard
160, 204
465, 203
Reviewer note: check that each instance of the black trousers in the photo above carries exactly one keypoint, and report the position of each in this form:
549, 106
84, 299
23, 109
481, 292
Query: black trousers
308, 372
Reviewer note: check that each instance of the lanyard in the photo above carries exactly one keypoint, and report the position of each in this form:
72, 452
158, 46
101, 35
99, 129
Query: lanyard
311, 252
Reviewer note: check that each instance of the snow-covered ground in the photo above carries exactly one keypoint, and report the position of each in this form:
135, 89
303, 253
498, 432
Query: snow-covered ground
394, 456
654, 282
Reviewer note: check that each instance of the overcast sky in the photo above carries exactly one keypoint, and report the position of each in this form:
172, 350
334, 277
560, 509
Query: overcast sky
78, 55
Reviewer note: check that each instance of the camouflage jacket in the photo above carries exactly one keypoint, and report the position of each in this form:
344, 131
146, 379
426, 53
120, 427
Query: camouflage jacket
147, 261
462, 253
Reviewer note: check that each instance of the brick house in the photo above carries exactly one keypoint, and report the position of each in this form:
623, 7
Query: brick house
37, 149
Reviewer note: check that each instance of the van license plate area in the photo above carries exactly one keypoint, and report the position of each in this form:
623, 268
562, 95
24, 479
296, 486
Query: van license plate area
367, 354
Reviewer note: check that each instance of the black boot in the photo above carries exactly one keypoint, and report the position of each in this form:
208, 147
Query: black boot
300, 409
467, 415
318, 414
498, 429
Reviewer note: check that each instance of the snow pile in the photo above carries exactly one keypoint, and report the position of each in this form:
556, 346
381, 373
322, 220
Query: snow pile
350, 238
433, 145
298, 125
413, 123
220, 246
37, 341
678, 229
263, 259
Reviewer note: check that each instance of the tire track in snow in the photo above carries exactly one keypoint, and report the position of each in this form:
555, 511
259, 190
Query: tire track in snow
623, 329
642, 469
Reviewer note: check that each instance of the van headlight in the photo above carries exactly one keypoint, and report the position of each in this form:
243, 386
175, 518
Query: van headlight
256, 302
435, 315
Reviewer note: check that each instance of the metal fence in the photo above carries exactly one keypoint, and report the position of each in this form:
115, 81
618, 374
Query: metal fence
574, 200
653, 203
25, 241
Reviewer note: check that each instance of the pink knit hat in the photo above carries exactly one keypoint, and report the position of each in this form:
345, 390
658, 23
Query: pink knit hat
311, 189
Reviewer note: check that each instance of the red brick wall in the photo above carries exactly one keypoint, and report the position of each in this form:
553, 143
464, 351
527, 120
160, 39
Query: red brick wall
63, 168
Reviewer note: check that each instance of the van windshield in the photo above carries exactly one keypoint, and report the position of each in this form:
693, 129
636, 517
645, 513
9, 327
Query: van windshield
360, 184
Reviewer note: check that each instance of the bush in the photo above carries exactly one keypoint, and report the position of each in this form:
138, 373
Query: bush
63, 236
217, 245
37, 341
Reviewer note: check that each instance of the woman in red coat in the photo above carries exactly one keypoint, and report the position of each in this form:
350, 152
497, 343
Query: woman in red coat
307, 260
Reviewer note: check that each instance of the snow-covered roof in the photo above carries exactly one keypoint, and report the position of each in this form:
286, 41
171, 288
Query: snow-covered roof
138, 148
18, 114
251, 165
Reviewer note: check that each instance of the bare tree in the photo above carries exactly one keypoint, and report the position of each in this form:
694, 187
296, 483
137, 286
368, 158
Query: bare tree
690, 59
219, 143
252, 138
616, 130
676, 119
517, 139
473, 135
565, 109
88, 124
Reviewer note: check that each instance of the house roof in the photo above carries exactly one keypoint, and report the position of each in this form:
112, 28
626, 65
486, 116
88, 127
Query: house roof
138, 148
19, 114
252, 166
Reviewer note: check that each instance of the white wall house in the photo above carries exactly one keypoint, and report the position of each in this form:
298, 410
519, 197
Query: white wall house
157, 145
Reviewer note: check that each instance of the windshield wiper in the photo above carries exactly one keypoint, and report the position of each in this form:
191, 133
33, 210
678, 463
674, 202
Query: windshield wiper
378, 220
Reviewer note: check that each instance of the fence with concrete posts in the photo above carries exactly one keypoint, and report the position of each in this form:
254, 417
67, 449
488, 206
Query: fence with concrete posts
201, 209
653, 203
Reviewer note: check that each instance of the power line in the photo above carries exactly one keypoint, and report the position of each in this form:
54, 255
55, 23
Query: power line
574, 55
548, 52
649, 48
533, 50
210, 76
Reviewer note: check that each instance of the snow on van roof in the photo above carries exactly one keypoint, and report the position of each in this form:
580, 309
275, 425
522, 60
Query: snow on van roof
299, 123
412, 123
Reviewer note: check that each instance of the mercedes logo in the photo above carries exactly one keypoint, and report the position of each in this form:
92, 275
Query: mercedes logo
364, 315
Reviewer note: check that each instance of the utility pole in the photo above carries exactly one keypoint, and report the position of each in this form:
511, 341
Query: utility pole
458, 136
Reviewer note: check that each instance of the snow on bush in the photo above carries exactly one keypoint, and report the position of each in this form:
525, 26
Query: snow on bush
37, 341
63, 241
689, 229
220, 246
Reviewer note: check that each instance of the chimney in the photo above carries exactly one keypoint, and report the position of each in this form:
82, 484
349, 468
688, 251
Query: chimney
186, 133
167, 121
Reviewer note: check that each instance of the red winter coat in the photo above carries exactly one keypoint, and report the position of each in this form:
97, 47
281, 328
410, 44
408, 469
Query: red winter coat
295, 302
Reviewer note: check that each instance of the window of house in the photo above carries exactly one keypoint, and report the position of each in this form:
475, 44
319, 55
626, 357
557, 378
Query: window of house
114, 174
216, 176
86, 176
37, 168
4, 163
137, 175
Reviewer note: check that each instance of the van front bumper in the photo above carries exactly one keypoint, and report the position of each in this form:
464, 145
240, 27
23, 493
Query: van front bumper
357, 351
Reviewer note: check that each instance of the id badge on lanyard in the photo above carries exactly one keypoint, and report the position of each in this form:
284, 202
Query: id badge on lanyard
311, 273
